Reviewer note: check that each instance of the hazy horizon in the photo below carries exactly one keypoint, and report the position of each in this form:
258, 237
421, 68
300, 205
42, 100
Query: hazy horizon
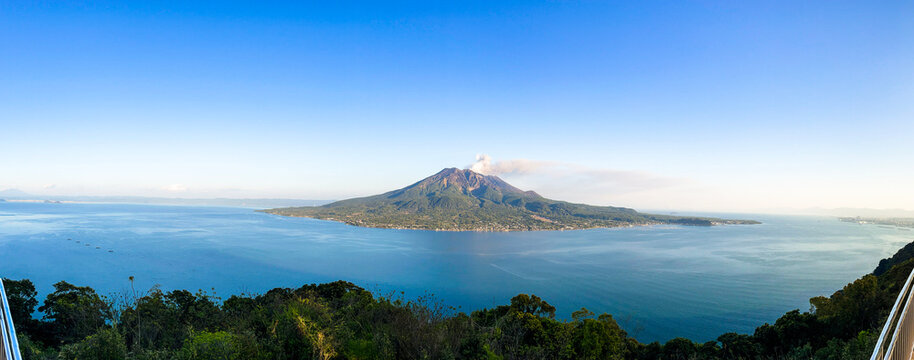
692, 106
288, 201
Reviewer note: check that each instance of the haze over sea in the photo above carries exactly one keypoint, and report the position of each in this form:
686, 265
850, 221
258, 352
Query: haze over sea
659, 282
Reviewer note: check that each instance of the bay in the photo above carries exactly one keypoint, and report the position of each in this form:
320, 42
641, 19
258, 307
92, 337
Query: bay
659, 282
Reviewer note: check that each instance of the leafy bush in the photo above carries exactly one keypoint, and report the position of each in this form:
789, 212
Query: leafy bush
106, 344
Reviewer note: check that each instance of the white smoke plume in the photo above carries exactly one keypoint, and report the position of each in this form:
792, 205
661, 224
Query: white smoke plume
485, 166
482, 164
561, 177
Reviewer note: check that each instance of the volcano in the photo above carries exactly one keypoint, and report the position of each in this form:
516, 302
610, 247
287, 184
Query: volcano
463, 200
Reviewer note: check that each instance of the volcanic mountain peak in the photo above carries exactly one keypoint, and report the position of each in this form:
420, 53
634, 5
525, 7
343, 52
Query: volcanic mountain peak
456, 199
466, 181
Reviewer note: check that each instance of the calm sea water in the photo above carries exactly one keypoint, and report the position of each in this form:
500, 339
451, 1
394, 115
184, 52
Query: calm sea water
659, 282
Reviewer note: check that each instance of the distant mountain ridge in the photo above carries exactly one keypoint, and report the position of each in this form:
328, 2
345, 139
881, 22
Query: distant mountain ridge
464, 200
13, 193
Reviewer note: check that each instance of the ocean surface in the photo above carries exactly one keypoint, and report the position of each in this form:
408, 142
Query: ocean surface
659, 282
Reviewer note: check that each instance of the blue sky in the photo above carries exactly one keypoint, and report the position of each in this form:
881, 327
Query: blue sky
666, 105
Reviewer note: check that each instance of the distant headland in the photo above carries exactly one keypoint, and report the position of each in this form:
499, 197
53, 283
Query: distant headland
464, 200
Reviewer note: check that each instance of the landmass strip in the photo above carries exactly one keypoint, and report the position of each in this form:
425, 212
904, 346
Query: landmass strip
894, 221
464, 200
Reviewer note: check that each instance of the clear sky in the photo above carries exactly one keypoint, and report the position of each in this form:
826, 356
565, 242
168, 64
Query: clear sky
664, 105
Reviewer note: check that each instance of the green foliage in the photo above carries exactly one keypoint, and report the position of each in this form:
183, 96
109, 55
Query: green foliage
598, 339
342, 321
792, 330
532, 304
679, 349
32, 350
73, 312
151, 354
892, 281
21, 295
859, 305
739, 346
107, 344
218, 345
859, 347
900, 256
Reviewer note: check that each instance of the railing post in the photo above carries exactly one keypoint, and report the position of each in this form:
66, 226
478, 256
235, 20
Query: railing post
895, 341
9, 342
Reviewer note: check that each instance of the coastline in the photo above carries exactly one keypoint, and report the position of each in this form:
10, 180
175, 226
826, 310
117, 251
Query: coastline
528, 229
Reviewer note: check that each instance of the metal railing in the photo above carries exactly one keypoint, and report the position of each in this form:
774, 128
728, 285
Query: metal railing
896, 341
9, 345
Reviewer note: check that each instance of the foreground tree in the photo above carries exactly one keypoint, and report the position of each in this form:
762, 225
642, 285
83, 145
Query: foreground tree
73, 312
22, 299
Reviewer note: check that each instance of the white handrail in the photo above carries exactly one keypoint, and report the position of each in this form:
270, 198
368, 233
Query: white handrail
9, 344
900, 324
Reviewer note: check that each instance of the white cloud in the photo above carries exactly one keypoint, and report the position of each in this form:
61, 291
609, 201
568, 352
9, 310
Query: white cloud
175, 188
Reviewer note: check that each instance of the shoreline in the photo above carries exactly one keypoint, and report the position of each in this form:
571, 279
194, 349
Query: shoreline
733, 222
